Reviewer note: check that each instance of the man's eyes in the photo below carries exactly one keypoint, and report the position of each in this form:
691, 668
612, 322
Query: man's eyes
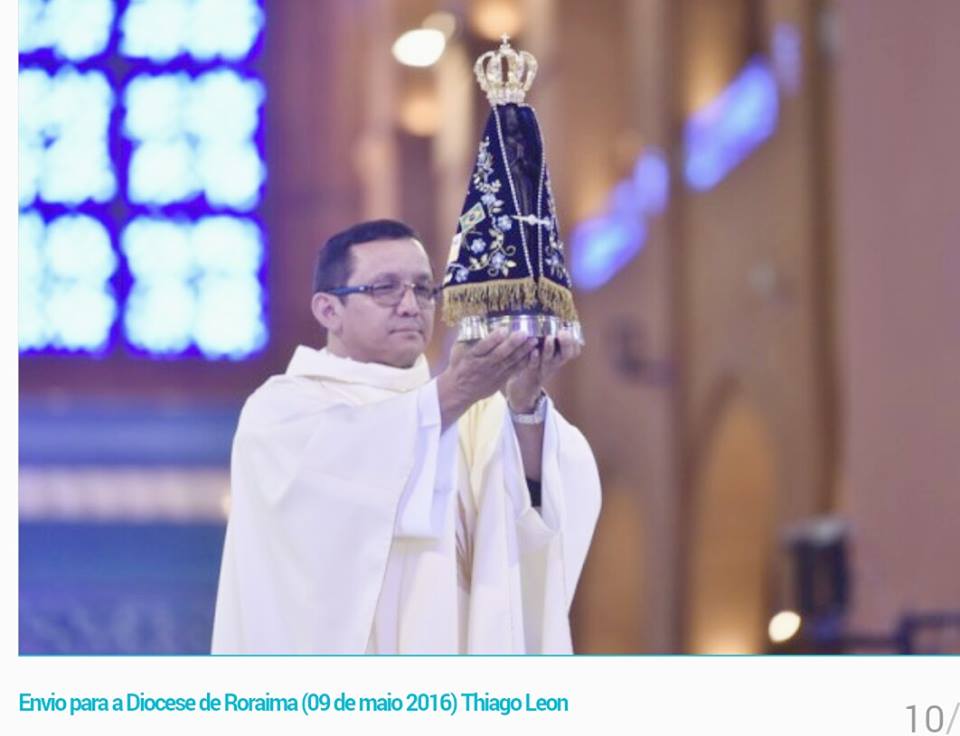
387, 287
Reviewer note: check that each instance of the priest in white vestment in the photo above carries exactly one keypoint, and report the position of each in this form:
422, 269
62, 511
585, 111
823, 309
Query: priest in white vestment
377, 510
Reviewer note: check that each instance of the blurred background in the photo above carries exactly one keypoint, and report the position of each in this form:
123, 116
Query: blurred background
761, 217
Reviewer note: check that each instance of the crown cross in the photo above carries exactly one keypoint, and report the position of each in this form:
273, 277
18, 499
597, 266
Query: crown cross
521, 68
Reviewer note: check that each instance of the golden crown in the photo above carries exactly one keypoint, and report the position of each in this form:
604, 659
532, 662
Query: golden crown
521, 69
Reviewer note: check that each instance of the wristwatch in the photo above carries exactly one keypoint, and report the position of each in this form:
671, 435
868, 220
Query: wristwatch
538, 414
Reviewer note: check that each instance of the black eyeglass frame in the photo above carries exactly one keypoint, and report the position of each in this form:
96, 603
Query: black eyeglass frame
430, 299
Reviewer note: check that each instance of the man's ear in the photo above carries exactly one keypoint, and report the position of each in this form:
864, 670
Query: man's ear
327, 309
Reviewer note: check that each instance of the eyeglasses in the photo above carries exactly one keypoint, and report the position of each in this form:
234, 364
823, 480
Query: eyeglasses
391, 293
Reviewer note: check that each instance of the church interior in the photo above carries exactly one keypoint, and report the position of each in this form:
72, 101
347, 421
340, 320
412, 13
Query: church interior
759, 217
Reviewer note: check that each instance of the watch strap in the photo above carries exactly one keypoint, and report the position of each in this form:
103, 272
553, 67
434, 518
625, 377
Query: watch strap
538, 414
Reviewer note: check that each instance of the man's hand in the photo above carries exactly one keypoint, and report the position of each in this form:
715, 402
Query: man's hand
523, 388
480, 370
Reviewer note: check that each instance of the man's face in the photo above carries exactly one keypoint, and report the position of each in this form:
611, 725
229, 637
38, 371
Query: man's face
369, 332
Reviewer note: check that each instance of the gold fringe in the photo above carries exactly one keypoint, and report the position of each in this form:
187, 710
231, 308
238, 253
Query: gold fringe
557, 299
478, 300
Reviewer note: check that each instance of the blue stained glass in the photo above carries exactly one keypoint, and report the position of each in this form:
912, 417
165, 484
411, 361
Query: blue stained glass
195, 284
188, 134
81, 316
228, 246
153, 106
194, 137
224, 28
160, 30
66, 300
230, 175
229, 322
32, 330
154, 29
63, 137
162, 172
223, 106
78, 247
158, 250
72, 29
159, 316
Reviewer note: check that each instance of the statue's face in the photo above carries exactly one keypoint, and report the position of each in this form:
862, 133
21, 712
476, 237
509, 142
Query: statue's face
511, 121
362, 328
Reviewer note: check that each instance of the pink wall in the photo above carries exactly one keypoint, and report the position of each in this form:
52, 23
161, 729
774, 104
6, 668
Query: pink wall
898, 162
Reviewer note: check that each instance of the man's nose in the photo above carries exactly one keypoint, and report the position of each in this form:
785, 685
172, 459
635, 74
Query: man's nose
408, 302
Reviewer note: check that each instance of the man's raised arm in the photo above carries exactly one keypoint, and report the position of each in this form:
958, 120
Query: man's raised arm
525, 398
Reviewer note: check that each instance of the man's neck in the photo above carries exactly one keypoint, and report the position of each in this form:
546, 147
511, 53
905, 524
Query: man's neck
337, 348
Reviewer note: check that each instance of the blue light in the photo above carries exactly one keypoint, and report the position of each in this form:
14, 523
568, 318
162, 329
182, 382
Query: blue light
31, 234
229, 317
73, 29
223, 107
81, 315
230, 175
154, 106
63, 137
228, 246
195, 137
159, 316
719, 137
787, 52
160, 30
716, 139
158, 250
605, 244
224, 28
162, 172
651, 182
33, 88
625, 200
33, 331
66, 301
78, 248
154, 29
189, 135
195, 285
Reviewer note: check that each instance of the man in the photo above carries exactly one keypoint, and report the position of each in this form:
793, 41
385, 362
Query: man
376, 510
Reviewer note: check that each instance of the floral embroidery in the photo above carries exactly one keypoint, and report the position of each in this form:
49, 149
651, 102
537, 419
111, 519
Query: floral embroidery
491, 253
460, 273
499, 263
553, 258
553, 253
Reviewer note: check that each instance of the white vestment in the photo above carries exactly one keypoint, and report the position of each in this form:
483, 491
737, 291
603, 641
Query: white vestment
357, 526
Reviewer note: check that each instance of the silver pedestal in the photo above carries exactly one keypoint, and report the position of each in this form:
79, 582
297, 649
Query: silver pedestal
533, 325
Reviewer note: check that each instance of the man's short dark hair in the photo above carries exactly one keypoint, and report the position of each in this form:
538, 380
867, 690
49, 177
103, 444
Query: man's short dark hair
333, 263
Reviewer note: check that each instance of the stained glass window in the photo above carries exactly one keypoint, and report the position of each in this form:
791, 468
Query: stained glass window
141, 178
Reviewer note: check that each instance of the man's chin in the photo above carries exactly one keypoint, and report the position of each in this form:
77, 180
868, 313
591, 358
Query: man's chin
404, 361
408, 346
